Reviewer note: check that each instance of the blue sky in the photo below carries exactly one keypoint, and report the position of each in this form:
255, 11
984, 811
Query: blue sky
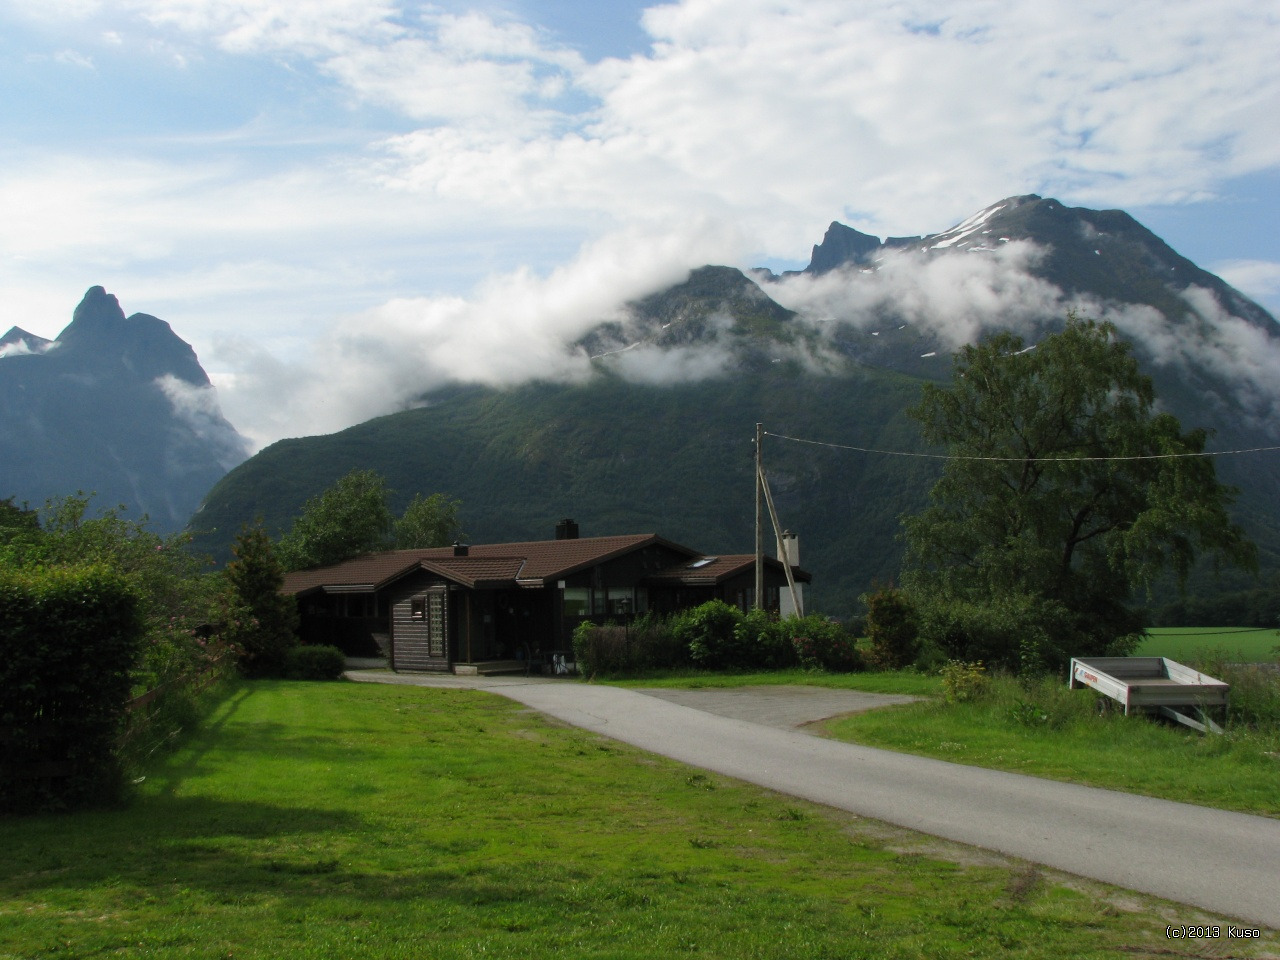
302, 188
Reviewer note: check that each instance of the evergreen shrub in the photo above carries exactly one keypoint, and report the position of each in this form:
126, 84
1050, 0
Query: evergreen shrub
891, 629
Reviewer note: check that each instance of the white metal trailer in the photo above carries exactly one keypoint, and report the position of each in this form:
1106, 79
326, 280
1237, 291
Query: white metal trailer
1155, 684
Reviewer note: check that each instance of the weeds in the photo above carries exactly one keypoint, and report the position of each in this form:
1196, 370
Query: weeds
964, 682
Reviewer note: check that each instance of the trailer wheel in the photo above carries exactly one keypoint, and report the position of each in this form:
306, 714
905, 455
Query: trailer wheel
1104, 706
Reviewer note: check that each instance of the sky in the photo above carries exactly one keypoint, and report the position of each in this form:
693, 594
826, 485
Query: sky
340, 203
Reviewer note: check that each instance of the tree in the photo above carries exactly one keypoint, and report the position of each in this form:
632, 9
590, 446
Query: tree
346, 520
1065, 493
256, 578
429, 522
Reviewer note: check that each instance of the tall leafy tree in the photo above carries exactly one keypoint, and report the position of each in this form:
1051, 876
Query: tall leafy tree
348, 519
429, 522
1065, 493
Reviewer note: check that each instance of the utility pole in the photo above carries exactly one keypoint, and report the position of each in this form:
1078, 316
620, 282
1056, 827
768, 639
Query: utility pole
759, 598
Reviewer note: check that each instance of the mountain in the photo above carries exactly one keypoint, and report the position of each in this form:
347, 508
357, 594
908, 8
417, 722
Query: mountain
659, 438
18, 341
118, 406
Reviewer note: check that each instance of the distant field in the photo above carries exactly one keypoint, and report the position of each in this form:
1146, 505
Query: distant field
1247, 644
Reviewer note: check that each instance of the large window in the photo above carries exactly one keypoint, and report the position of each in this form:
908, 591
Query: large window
577, 601
605, 602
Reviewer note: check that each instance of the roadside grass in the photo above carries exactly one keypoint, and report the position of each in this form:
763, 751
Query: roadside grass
358, 820
891, 681
1043, 729
1241, 644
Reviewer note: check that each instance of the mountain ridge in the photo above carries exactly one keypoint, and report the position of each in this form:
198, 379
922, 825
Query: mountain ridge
624, 452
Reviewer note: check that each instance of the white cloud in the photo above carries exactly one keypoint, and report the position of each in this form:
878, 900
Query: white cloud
197, 407
955, 297
74, 58
514, 328
787, 113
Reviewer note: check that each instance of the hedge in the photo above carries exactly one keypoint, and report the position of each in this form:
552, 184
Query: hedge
69, 638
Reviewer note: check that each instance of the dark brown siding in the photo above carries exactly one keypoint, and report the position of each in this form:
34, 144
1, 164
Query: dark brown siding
420, 625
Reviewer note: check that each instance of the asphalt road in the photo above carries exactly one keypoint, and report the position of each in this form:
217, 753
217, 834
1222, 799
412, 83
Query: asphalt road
1228, 863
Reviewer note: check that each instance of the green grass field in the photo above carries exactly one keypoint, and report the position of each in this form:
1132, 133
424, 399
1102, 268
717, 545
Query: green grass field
1244, 644
362, 821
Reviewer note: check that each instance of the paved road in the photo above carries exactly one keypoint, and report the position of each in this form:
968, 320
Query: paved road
1228, 863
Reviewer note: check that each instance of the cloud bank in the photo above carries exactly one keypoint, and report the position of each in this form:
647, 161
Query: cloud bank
395, 192
515, 328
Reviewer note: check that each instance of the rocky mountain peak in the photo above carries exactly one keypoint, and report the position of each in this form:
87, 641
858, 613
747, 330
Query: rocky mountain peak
100, 335
840, 245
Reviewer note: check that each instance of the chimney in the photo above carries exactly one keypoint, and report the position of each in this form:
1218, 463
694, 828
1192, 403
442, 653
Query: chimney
789, 548
460, 550
567, 530
789, 553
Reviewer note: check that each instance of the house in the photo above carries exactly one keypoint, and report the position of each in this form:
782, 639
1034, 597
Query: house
439, 608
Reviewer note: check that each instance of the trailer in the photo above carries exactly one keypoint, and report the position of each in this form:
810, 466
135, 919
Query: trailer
1155, 685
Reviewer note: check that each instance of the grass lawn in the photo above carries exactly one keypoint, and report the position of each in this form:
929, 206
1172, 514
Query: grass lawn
1243, 644
355, 820
897, 681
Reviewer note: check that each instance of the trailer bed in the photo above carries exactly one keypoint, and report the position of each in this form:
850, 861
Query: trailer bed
1155, 684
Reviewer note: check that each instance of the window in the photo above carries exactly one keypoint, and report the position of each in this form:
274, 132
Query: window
621, 601
577, 601
418, 608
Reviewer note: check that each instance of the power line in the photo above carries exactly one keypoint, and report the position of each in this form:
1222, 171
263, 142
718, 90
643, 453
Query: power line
948, 456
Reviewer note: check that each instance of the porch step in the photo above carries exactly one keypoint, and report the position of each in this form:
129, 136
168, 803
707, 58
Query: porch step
488, 667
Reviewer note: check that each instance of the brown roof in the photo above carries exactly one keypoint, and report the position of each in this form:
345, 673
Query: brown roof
531, 563
706, 571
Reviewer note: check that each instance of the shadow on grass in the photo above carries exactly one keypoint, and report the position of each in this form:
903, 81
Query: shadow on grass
238, 850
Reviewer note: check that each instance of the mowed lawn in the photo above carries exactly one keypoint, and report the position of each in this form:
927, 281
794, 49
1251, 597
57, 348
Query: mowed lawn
1241, 644
355, 820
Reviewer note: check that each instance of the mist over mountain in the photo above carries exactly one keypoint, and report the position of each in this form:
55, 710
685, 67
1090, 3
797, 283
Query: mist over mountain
118, 406
642, 417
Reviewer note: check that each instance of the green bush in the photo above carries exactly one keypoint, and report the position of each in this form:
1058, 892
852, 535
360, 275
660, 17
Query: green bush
1018, 633
314, 663
600, 648
69, 638
764, 641
822, 644
709, 633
